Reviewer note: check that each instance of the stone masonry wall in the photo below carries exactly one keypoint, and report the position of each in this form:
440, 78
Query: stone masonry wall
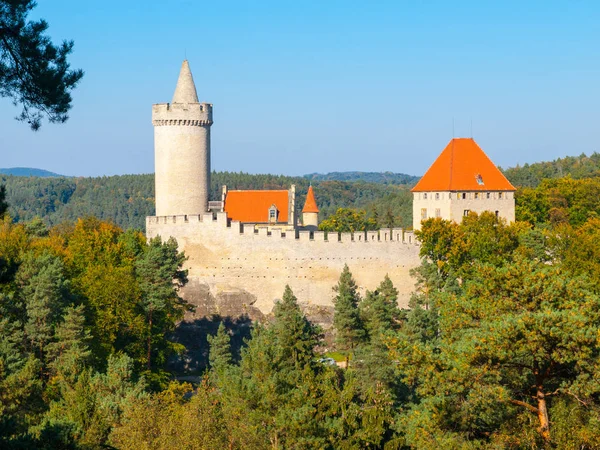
227, 261
452, 206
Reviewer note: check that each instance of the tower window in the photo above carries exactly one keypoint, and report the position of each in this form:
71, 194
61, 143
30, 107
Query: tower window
499, 194
488, 195
464, 195
476, 195
437, 195
423, 213
466, 212
497, 213
425, 196
438, 213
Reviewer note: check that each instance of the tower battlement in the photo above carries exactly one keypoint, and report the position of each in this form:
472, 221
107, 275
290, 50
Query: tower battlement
182, 150
191, 114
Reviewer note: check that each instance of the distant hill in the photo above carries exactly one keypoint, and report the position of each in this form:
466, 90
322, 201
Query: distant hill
577, 167
369, 177
128, 199
28, 172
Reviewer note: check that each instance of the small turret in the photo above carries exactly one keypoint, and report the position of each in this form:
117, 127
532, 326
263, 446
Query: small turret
310, 212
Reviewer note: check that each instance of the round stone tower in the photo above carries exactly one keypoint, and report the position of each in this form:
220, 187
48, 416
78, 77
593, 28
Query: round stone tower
182, 150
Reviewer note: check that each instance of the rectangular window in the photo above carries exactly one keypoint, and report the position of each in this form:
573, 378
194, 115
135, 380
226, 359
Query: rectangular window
425, 195
476, 195
464, 195
423, 213
497, 213
438, 213
488, 195
466, 212
437, 196
499, 194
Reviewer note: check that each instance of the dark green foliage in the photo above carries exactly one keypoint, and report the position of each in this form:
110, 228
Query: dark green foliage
160, 274
44, 291
577, 167
349, 329
220, 350
368, 177
3, 203
34, 72
126, 200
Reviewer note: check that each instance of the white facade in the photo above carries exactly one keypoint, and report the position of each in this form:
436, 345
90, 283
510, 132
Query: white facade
456, 204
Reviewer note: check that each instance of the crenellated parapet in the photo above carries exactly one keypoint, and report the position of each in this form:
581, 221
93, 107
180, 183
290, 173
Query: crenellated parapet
181, 225
185, 114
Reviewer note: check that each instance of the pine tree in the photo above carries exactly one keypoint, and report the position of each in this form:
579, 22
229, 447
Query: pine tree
69, 352
296, 336
219, 356
160, 274
346, 319
44, 290
33, 71
379, 309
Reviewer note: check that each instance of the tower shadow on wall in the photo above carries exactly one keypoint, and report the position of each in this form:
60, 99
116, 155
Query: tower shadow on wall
193, 336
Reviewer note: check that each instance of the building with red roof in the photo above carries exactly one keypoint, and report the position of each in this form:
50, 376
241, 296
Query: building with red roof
463, 179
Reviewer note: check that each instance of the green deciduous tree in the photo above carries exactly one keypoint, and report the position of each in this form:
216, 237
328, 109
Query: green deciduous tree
347, 220
33, 71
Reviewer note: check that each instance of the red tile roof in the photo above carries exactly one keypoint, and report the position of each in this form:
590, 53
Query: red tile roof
253, 206
463, 166
310, 205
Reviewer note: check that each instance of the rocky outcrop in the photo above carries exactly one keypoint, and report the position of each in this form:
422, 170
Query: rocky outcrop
230, 302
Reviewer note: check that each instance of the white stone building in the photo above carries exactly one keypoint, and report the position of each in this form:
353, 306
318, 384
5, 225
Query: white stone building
462, 179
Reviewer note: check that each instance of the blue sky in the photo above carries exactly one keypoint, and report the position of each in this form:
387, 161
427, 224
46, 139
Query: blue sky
319, 86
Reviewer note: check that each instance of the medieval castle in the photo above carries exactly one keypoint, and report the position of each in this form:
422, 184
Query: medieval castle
246, 246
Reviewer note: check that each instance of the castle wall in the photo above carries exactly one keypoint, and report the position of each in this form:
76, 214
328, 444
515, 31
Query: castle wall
230, 259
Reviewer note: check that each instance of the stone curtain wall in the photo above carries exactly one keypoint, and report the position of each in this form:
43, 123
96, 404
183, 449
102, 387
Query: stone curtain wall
227, 261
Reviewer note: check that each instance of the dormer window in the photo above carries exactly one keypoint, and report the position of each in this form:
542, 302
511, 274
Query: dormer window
479, 179
273, 213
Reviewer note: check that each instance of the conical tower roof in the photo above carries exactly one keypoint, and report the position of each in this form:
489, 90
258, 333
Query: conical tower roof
185, 92
463, 166
310, 205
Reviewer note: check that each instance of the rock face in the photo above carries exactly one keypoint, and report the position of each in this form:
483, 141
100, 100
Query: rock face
232, 303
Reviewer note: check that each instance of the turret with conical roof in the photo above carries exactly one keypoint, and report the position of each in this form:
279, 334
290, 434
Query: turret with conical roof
310, 212
182, 150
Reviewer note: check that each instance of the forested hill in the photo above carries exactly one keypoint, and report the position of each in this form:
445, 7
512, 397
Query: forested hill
28, 172
127, 199
369, 177
577, 167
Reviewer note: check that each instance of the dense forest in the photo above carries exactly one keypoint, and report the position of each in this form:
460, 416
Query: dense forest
369, 177
499, 348
126, 200
577, 167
